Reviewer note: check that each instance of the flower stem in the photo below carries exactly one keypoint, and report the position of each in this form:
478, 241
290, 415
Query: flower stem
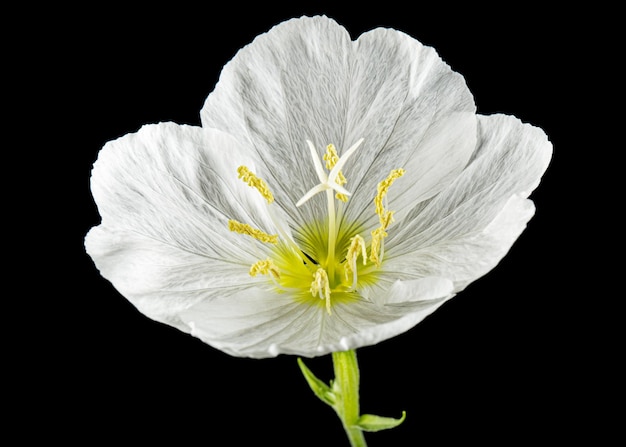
343, 396
346, 387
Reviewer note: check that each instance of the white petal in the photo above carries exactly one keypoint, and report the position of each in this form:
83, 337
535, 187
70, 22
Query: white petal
465, 230
159, 279
288, 86
256, 323
260, 323
306, 80
466, 256
414, 113
165, 195
179, 185
406, 304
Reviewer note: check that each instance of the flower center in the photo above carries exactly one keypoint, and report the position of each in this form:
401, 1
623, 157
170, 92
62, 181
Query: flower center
321, 263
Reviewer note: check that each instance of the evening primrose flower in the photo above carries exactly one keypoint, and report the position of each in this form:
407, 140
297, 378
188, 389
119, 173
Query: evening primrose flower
337, 193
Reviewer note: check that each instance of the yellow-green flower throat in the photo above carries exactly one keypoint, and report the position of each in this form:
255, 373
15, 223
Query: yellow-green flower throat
327, 263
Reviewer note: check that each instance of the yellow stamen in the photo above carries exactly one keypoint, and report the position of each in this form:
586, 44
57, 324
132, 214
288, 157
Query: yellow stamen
383, 187
243, 228
252, 180
266, 267
339, 196
321, 287
376, 248
357, 246
385, 217
331, 158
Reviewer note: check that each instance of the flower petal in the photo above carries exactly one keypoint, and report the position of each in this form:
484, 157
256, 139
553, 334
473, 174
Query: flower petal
165, 195
288, 86
162, 280
406, 304
465, 230
260, 323
306, 80
179, 185
414, 113
256, 323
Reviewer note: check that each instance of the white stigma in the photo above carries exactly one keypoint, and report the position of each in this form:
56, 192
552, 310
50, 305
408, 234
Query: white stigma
327, 181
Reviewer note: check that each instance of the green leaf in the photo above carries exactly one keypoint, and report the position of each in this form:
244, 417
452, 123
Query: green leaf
371, 422
321, 390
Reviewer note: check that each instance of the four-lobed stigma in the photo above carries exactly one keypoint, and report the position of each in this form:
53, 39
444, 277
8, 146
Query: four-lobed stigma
331, 276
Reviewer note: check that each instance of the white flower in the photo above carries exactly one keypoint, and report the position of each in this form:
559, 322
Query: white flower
337, 193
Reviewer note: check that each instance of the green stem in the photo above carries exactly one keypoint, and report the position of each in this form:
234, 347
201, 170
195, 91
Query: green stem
343, 396
346, 386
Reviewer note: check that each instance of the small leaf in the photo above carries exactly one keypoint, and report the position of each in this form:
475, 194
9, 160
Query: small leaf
371, 422
318, 387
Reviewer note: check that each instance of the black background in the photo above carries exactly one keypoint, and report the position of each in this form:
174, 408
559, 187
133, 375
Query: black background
520, 356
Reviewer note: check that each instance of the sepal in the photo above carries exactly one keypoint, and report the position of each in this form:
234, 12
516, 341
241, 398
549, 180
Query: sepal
371, 422
319, 388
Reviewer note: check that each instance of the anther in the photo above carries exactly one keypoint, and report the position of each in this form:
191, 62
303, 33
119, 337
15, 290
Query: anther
243, 228
252, 180
376, 248
382, 189
331, 158
357, 246
265, 267
385, 217
321, 287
